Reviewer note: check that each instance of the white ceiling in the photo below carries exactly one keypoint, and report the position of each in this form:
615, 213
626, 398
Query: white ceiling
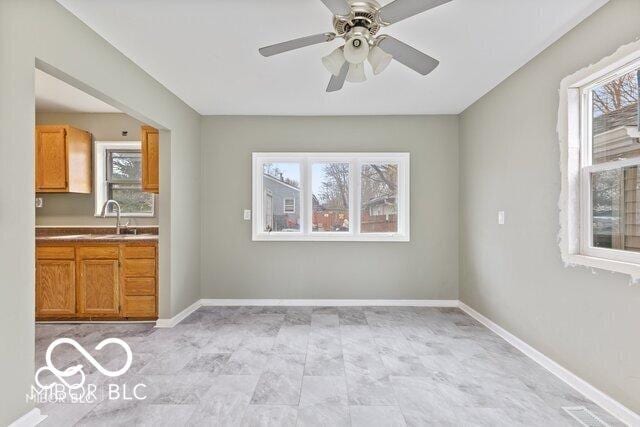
206, 52
56, 96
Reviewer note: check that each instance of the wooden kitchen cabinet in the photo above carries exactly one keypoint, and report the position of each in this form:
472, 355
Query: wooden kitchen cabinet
56, 290
150, 148
98, 281
88, 280
63, 159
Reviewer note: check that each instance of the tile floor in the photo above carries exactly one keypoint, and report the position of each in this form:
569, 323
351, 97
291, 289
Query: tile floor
313, 366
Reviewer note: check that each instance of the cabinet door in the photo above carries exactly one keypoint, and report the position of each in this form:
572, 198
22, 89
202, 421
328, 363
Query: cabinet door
150, 159
51, 158
55, 287
98, 287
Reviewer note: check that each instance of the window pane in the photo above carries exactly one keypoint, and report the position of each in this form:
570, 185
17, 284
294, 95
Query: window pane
124, 165
131, 198
379, 210
615, 213
281, 181
615, 119
330, 196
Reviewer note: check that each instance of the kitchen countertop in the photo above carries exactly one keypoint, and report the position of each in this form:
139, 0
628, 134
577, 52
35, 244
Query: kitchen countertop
99, 238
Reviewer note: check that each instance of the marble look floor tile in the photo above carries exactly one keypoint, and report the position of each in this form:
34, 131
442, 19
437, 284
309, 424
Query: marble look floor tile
270, 416
323, 415
376, 416
328, 390
367, 390
324, 363
211, 363
370, 365
245, 362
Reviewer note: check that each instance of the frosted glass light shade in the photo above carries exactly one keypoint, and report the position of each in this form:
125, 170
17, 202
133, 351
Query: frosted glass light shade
334, 61
356, 49
356, 73
379, 59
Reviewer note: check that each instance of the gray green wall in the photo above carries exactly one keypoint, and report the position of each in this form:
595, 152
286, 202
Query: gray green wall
588, 321
233, 266
78, 209
44, 33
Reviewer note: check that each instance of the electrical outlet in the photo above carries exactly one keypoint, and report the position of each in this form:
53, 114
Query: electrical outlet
247, 215
39, 202
501, 217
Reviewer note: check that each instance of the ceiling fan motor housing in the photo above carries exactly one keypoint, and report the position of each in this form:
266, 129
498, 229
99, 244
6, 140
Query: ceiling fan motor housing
363, 15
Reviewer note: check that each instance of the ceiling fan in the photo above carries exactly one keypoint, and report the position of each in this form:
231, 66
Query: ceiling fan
358, 22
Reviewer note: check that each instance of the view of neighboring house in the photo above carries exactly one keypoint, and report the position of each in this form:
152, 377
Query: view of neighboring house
379, 215
281, 203
616, 136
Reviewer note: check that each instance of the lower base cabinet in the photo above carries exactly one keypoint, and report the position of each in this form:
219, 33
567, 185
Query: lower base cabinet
88, 281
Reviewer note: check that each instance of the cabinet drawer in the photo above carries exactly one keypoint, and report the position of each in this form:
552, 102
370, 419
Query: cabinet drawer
140, 286
140, 252
98, 252
139, 306
55, 252
139, 267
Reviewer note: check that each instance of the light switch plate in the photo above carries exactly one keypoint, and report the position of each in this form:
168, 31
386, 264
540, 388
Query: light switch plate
501, 217
247, 215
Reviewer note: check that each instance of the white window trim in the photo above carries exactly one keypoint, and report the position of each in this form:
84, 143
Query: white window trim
284, 204
100, 172
574, 202
355, 160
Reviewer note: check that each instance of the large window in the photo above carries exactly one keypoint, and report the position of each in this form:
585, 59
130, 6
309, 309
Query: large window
118, 176
331, 196
609, 172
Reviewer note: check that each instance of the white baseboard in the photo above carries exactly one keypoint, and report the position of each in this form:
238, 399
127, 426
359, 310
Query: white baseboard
330, 302
30, 419
173, 321
600, 398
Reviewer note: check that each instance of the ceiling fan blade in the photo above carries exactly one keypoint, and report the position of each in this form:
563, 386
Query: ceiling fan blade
337, 82
338, 7
408, 56
398, 10
296, 44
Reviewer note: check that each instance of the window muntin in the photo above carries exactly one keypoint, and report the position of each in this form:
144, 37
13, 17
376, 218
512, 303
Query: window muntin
610, 153
329, 200
118, 176
330, 183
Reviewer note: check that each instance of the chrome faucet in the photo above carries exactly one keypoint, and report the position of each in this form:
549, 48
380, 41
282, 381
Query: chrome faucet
104, 212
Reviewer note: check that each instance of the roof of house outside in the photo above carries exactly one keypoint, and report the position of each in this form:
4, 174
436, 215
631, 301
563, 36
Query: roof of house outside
625, 116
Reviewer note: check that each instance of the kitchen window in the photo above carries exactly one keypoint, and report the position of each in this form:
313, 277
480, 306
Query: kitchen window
331, 196
601, 186
118, 169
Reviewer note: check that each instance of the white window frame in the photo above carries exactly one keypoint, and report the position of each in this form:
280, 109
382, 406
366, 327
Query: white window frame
355, 161
284, 204
574, 129
100, 149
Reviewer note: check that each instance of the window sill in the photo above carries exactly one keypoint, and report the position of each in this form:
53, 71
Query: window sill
329, 237
629, 268
151, 215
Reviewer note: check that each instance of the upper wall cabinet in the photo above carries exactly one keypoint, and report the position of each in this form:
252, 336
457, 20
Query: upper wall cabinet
150, 159
63, 160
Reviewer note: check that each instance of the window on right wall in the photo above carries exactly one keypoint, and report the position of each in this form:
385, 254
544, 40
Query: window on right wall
610, 166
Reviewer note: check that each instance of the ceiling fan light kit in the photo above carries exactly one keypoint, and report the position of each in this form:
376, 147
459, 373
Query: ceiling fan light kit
334, 61
358, 22
356, 73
